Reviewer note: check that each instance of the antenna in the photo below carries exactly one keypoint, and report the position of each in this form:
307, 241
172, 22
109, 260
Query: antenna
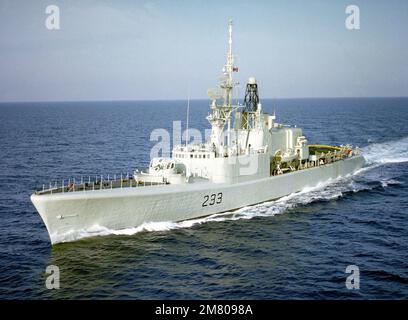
230, 37
230, 56
188, 115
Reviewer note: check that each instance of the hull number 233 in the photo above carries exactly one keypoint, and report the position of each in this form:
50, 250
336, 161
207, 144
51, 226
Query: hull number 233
212, 199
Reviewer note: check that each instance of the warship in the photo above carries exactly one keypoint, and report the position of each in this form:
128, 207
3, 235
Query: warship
248, 159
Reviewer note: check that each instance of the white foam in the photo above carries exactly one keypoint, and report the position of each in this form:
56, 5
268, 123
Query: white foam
390, 182
376, 154
387, 152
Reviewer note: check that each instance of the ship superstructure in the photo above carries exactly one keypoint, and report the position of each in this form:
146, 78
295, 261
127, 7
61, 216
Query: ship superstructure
256, 146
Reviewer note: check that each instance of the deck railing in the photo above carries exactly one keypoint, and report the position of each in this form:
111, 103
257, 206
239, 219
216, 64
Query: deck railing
98, 183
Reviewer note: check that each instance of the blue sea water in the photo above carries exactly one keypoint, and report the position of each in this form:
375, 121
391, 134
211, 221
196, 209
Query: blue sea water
295, 248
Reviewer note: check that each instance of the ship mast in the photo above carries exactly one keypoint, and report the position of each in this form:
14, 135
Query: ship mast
221, 112
230, 65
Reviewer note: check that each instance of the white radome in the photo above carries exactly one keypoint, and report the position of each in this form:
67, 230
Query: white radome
252, 80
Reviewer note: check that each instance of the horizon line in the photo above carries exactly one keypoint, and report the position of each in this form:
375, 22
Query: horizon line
197, 99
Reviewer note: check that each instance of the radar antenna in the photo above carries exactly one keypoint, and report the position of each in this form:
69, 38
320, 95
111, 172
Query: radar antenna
188, 116
222, 100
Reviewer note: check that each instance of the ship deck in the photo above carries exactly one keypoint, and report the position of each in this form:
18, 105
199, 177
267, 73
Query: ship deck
95, 185
324, 155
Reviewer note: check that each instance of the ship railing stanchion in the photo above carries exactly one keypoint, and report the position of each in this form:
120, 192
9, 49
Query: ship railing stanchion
62, 187
43, 187
130, 183
93, 186
121, 180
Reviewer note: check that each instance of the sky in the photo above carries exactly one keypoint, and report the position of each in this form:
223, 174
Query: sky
168, 49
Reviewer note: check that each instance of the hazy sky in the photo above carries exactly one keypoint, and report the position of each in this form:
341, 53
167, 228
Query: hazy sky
126, 50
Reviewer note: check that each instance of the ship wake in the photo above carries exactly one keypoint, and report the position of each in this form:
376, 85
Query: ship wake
365, 179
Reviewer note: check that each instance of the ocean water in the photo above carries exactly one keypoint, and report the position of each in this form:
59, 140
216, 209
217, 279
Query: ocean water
297, 247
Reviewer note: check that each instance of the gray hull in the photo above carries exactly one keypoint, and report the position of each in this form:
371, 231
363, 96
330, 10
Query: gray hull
67, 214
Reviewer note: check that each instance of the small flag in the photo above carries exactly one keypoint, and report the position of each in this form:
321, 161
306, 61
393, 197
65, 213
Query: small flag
235, 69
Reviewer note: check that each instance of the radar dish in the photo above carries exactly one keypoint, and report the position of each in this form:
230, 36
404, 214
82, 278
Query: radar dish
215, 93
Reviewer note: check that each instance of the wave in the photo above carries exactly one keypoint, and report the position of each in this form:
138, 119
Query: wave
387, 152
376, 154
